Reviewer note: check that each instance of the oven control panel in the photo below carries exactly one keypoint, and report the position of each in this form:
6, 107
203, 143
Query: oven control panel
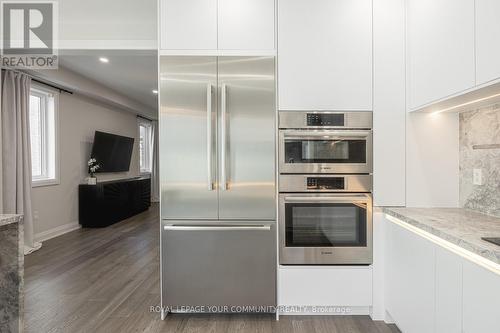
325, 183
325, 119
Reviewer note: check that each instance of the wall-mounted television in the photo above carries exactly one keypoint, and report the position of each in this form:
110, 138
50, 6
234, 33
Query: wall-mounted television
112, 152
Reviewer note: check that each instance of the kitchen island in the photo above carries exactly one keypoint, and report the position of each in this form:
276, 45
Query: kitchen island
11, 273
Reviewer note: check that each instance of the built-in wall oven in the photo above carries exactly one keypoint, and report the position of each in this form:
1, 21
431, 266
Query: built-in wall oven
332, 142
325, 184
324, 222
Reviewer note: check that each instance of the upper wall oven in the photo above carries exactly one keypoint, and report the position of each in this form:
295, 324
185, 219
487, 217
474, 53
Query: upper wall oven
325, 142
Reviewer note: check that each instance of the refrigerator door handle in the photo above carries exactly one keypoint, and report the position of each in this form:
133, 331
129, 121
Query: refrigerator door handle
224, 181
209, 138
216, 228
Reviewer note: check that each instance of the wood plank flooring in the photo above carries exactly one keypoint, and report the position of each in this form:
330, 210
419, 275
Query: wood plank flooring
106, 280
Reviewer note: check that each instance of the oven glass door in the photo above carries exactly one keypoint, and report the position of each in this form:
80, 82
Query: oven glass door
331, 151
313, 224
325, 151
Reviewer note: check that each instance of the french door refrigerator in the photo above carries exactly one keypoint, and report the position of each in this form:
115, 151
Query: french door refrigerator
217, 173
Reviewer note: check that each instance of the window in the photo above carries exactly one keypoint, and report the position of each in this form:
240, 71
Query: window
43, 136
145, 145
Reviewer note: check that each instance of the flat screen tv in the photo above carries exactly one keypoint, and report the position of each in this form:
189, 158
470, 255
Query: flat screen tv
112, 152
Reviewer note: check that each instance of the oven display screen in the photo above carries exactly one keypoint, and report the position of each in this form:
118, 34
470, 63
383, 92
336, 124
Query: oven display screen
328, 119
325, 183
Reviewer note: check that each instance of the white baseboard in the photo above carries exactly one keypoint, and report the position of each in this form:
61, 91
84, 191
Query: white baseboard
57, 231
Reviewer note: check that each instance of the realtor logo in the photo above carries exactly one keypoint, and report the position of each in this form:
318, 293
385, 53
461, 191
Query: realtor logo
29, 31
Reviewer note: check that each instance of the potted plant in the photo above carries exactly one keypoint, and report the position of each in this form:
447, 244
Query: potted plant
93, 166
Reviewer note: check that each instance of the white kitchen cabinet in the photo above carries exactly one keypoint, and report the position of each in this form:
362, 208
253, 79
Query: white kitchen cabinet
188, 24
481, 299
448, 291
217, 25
410, 280
246, 24
325, 286
487, 40
325, 55
440, 49
389, 103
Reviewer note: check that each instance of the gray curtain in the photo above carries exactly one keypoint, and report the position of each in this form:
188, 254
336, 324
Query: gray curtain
155, 182
15, 158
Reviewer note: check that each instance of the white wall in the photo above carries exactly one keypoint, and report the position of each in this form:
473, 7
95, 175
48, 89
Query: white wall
56, 207
432, 160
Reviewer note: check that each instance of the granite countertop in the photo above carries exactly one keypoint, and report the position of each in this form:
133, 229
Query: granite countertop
9, 219
459, 226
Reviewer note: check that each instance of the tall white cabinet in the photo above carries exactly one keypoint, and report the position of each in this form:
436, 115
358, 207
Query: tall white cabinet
325, 55
217, 25
440, 49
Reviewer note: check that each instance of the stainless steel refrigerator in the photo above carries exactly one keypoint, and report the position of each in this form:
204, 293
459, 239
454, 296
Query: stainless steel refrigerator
217, 172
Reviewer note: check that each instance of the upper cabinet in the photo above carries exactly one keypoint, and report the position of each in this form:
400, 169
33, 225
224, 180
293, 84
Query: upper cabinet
246, 24
440, 49
217, 25
487, 40
325, 55
188, 24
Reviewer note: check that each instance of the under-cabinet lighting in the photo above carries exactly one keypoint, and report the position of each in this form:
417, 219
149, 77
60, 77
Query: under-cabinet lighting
466, 104
104, 60
155, 91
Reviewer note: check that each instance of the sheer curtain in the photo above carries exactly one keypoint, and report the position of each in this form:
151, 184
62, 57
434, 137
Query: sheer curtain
15, 157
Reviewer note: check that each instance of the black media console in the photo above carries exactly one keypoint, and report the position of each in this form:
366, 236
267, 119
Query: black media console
112, 201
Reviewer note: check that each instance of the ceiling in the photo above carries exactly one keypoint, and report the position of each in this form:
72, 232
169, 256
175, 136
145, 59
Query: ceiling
131, 73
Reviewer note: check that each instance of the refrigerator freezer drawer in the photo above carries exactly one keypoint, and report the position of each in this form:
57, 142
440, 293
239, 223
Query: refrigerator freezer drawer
218, 266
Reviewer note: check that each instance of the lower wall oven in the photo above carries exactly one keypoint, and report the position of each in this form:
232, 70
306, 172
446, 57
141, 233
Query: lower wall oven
328, 228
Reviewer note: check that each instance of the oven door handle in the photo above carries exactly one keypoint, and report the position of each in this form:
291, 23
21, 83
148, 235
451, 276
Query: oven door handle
335, 135
334, 199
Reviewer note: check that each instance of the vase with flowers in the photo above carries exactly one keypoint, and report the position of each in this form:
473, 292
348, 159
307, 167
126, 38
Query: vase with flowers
92, 168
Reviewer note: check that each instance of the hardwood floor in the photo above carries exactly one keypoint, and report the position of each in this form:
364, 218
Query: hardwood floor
106, 280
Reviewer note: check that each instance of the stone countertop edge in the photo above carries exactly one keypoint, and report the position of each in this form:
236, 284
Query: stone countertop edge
6, 219
471, 242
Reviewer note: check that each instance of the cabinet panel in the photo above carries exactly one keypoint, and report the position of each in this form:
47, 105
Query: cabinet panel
325, 286
487, 37
389, 116
481, 299
246, 24
325, 54
448, 291
410, 280
440, 49
188, 24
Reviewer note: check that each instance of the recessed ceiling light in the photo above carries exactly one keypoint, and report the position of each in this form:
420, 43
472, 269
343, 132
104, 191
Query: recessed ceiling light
104, 60
155, 91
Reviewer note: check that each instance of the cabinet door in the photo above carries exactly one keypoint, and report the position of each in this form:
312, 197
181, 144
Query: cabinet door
188, 24
246, 24
440, 49
410, 280
325, 54
481, 299
448, 291
487, 37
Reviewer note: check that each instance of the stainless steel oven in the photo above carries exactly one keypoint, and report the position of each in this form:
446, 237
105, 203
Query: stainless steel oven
327, 224
325, 142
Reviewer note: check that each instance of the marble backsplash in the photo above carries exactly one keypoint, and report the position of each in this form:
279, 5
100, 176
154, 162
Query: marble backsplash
480, 127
